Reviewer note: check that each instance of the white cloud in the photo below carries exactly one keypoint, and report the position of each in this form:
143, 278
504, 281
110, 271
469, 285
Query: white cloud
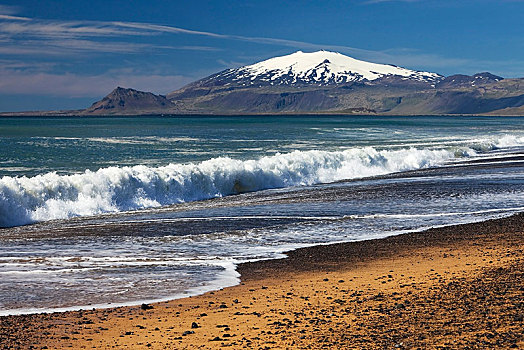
165, 29
14, 18
26, 36
48, 32
62, 29
51, 38
404, 57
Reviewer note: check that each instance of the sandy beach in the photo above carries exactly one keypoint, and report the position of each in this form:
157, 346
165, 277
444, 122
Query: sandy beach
445, 288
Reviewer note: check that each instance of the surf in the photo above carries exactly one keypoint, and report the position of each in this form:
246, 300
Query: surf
50, 196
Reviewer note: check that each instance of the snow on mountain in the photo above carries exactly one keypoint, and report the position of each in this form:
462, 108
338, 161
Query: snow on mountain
318, 68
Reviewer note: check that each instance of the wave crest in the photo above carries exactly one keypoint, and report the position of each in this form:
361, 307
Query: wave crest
50, 196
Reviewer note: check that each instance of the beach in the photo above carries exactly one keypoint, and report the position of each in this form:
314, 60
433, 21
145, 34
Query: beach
453, 287
278, 233
258, 175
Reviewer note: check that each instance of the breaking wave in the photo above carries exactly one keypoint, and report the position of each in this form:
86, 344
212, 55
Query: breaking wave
25, 200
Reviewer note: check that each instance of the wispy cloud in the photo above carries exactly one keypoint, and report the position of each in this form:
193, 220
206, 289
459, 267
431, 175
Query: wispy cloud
62, 29
191, 48
14, 18
252, 39
407, 57
148, 27
6, 64
66, 37
36, 37
47, 33
52, 38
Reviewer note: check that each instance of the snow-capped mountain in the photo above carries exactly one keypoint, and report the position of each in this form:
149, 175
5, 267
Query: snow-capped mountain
315, 68
325, 82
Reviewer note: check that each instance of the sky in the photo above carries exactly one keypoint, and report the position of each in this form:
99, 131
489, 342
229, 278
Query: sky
57, 54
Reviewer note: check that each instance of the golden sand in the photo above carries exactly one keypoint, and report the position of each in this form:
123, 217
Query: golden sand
448, 288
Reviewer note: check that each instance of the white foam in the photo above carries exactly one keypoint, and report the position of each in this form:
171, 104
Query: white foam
227, 278
25, 200
509, 141
50, 196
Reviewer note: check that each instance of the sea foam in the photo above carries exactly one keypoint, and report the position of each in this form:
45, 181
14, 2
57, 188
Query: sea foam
51, 196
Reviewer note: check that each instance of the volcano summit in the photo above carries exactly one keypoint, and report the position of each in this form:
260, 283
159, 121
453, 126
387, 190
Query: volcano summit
316, 68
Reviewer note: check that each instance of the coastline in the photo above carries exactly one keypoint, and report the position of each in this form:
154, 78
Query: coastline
67, 114
454, 286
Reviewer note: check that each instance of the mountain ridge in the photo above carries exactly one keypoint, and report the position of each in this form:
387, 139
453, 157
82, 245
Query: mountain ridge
318, 83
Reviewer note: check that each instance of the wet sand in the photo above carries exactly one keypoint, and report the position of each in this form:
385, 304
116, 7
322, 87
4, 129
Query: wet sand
446, 288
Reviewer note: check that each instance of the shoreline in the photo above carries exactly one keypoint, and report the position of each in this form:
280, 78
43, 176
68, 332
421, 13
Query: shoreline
231, 272
66, 114
327, 291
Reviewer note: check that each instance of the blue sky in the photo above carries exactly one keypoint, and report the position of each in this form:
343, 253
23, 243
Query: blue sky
67, 54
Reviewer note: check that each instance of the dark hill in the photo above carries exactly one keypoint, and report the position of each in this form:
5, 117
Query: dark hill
129, 101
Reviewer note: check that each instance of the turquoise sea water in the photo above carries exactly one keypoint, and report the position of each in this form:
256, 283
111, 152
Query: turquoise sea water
32, 146
120, 210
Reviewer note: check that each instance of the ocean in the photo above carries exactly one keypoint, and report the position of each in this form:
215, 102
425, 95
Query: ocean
100, 212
